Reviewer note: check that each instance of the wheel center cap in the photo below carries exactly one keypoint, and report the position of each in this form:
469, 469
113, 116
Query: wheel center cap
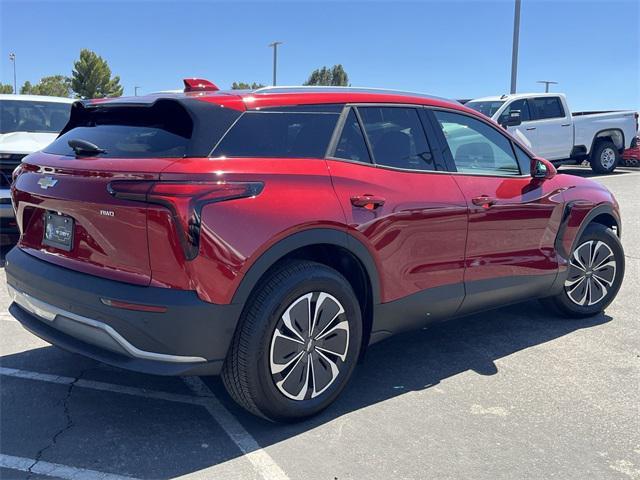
310, 345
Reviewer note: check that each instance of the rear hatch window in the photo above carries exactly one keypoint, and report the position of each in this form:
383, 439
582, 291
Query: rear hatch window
164, 129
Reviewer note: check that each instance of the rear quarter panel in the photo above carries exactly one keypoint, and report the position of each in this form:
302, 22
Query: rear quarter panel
586, 127
235, 233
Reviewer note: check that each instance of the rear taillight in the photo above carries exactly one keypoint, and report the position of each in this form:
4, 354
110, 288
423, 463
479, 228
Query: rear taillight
185, 201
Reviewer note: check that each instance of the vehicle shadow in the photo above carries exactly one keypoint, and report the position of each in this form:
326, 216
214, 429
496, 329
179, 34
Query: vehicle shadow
586, 172
132, 435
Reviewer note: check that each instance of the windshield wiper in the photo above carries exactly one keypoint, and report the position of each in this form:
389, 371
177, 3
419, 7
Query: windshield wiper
82, 147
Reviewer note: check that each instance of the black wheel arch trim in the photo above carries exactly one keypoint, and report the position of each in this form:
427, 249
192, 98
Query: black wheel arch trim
597, 139
601, 209
306, 238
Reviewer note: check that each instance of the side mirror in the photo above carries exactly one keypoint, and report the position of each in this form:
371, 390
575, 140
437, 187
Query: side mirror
511, 120
542, 169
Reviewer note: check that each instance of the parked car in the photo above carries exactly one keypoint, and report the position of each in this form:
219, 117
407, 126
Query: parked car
631, 156
545, 124
27, 123
272, 236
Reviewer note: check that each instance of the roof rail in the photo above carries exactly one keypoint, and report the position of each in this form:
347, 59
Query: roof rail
332, 88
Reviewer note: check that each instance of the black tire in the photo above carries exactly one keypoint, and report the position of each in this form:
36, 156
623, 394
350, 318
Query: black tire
248, 372
563, 301
601, 157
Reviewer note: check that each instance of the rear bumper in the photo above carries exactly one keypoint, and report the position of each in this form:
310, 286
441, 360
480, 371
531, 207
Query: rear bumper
64, 307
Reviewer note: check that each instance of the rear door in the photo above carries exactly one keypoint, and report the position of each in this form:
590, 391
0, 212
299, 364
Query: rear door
398, 198
513, 218
552, 124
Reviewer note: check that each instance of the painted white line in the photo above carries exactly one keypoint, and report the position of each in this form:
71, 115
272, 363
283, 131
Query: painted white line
106, 387
55, 470
261, 460
263, 464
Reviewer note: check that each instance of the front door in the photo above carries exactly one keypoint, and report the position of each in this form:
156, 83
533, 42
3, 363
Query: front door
513, 218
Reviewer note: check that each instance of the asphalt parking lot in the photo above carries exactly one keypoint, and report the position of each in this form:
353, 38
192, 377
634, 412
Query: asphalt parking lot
515, 393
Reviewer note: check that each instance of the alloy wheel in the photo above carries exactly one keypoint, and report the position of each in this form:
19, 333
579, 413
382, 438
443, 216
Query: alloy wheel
309, 346
592, 271
607, 157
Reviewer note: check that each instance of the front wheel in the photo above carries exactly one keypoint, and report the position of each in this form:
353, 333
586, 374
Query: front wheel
596, 270
605, 157
297, 343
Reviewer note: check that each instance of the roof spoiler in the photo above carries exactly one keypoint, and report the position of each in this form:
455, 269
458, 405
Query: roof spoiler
199, 85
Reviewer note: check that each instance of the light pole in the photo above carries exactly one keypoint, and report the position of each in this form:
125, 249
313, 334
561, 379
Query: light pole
514, 50
135, 90
546, 84
12, 57
275, 59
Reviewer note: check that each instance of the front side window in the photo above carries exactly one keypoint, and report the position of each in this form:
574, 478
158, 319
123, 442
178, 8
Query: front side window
475, 146
397, 137
523, 159
546, 107
351, 145
33, 116
279, 134
518, 105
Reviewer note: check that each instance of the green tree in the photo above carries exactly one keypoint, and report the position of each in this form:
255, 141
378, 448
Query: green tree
91, 77
246, 86
335, 76
55, 85
6, 88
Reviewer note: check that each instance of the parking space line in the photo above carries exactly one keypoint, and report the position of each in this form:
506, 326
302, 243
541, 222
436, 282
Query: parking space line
203, 396
261, 460
55, 469
107, 387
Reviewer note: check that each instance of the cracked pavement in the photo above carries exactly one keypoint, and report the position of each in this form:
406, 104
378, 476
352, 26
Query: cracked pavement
515, 393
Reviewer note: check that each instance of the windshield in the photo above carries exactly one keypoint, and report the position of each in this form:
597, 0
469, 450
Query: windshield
33, 116
486, 108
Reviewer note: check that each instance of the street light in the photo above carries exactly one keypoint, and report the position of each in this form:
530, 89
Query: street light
275, 59
12, 57
135, 90
546, 84
514, 50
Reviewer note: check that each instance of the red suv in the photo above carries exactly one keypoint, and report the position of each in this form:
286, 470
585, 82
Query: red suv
271, 236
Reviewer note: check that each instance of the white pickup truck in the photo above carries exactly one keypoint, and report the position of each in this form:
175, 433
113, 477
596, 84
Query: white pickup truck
545, 124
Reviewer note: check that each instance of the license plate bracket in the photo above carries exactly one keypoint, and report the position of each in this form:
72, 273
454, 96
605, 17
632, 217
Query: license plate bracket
58, 231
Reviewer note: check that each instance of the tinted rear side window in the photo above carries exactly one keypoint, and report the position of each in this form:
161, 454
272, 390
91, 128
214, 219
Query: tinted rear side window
397, 137
164, 129
351, 145
279, 134
546, 107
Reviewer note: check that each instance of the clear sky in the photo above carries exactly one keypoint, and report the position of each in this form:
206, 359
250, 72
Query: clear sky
456, 49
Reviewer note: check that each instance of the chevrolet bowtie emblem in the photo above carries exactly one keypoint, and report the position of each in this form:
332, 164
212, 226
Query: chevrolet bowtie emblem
46, 182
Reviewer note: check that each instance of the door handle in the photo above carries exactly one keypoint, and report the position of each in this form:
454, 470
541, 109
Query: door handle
565, 125
483, 201
530, 128
367, 201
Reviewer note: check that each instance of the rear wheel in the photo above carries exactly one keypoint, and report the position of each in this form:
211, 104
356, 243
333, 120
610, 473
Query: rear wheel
297, 344
605, 157
596, 270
